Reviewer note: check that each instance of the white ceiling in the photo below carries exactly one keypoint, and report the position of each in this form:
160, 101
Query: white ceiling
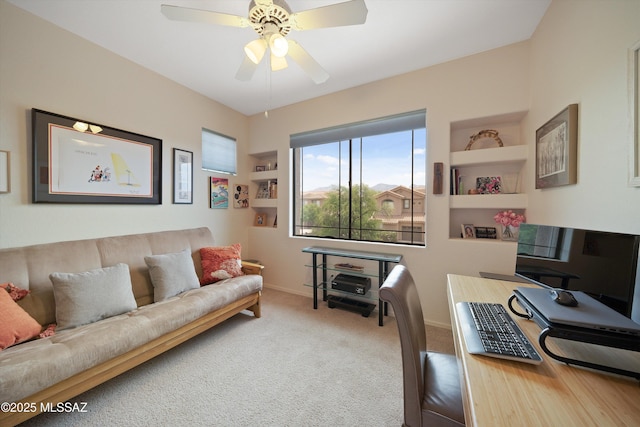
399, 36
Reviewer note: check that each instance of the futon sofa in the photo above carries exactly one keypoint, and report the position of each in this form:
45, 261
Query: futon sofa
116, 302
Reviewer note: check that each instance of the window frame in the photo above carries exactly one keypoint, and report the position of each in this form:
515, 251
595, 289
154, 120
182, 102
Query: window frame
414, 121
217, 140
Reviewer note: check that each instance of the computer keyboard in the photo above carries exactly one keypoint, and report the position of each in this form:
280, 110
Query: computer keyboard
489, 330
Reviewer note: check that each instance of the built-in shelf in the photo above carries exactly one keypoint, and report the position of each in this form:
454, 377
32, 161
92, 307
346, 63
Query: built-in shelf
263, 193
486, 159
489, 201
490, 156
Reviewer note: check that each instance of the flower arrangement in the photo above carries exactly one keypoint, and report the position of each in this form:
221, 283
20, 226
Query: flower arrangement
509, 218
509, 221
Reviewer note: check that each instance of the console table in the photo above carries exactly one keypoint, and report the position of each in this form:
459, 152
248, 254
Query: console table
383, 260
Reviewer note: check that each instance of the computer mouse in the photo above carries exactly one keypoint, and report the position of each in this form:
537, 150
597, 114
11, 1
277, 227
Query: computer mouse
563, 297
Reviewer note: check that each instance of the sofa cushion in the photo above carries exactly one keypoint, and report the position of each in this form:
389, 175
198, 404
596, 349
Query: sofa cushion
35, 365
16, 324
171, 274
92, 295
219, 263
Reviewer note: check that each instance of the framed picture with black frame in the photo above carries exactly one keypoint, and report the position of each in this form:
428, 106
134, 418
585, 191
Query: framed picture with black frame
78, 161
182, 176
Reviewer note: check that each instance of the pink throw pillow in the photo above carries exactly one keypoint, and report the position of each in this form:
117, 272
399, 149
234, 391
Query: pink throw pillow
219, 263
16, 325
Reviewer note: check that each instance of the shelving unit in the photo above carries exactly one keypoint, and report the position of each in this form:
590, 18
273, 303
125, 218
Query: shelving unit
486, 159
263, 192
322, 268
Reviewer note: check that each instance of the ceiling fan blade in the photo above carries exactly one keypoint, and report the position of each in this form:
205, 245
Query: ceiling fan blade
177, 13
352, 12
307, 63
246, 70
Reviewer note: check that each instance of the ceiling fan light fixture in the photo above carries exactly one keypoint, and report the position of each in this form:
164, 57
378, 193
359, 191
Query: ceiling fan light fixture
278, 63
279, 45
81, 126
255, 50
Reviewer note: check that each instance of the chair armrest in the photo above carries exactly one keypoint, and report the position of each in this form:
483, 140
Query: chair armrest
252, 268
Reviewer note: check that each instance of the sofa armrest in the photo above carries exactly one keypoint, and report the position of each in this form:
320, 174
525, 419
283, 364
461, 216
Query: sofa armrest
252, 268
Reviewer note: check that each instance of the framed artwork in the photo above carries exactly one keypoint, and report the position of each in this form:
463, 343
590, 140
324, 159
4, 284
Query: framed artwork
182, 176
261, 168
261, 220
468, 231
219, 193
5, 172
241, 196
634, 101
489, 185
75, 161
557, 150
486, 232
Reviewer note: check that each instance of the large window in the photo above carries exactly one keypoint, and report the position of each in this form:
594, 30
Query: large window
218, 152
363, 181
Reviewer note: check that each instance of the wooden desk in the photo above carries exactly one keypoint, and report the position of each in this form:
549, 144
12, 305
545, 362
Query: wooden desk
499, 392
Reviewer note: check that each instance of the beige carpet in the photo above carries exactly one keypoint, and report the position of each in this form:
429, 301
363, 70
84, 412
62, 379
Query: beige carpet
294, 366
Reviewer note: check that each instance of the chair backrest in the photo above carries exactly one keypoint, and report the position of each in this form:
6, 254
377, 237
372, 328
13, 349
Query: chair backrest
400, 291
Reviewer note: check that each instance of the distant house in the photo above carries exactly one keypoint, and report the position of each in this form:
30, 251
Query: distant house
397, 213
394, 210
316, 197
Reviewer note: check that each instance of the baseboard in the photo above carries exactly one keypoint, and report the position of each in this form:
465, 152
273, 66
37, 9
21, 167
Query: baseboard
310, 296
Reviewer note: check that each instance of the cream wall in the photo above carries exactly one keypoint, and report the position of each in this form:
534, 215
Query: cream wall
578, 54
487, 84
42, 66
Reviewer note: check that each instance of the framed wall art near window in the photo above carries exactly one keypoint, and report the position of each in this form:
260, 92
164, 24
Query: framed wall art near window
557, 150
634, 105
241, 196
182, 176
75, 161
219, 193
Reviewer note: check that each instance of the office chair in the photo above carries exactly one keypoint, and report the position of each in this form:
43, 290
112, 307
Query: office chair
432, 394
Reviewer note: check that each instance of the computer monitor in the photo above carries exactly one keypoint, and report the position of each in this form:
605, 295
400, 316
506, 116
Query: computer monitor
601, 264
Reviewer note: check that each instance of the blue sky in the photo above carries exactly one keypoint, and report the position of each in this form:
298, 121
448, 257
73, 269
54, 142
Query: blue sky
386, 160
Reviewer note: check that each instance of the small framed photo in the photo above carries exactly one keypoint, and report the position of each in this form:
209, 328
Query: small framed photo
182, 176
486, 232
489, 185
468, 231
261, 168
557, 150
261, 220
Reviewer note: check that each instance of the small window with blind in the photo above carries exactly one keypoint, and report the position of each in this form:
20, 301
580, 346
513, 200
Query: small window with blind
218, 152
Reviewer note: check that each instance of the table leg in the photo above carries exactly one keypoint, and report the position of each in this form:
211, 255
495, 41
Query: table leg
315, 281
324, 277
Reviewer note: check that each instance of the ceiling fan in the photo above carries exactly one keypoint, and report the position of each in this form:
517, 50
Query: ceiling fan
273, 20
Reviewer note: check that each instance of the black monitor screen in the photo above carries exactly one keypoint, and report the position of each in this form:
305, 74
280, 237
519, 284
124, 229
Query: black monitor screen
601, 264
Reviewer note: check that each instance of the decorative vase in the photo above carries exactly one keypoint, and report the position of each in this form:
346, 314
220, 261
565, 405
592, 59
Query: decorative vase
510, 233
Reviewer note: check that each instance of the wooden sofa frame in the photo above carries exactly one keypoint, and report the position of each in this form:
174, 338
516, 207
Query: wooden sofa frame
86, 380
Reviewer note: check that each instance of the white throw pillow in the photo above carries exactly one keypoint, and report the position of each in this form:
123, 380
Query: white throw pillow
93, 295
171, 274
